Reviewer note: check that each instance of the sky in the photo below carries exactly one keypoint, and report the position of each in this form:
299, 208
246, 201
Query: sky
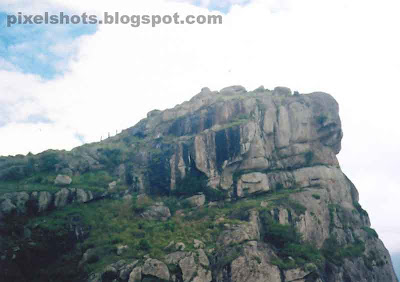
65, 85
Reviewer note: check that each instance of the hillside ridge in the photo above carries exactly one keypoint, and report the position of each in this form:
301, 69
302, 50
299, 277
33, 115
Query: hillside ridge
233, 185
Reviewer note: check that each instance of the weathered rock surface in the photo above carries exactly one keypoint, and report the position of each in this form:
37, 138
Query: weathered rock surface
135, 275
245, 144
241, 233
252, 183
197, 200
198, 244
39, 202
157, 212
112, 186
156, 268
296, 274
121, 249
62, 180
194, 266
252, 264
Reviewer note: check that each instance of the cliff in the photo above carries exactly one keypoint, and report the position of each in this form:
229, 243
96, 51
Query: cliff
258, 169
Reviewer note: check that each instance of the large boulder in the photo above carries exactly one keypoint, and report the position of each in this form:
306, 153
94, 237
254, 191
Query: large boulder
112, 186
252, 183
6, 207
157, 211
156, 268
45, 200
239, 233
89, 256
62, 198
136, 275
296, 274
194, 266
125, 271
63, 180
247, 268
110, 273
82, 196
197, 244
197, 200
15, 202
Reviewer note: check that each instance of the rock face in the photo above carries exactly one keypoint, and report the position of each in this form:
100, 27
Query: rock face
243, 145
63, 180
249, 143
253, 264
197, 200
193, 266
157, 212
243, 142
39, 202
252, 183
156, 269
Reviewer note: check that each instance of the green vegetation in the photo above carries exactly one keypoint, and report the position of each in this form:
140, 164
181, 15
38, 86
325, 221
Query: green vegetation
309, 156
110, 157
333, 208
194, 183
96, 181
293, 252
290, 204
37, 172
316, 196
42, 184
226, 258
336, 253
371, 232
117, 222
48, 160
287, 242
372, 259
279, 187
360, 210
238, 120
41, 258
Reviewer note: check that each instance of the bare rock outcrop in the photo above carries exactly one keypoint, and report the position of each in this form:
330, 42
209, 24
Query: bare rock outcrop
21, 203
62, 180
157, 211
243, 145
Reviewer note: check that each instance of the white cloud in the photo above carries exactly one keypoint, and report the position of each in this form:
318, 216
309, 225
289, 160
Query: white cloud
346, 48
5, 65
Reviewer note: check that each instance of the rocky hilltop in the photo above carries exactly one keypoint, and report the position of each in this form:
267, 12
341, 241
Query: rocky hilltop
229, 186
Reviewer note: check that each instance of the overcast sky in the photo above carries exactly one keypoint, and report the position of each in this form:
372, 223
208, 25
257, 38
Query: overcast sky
61, 86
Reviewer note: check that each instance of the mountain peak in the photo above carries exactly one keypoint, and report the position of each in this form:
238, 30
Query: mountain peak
258, 167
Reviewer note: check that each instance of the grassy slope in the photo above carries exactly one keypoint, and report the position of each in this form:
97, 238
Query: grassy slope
114, 222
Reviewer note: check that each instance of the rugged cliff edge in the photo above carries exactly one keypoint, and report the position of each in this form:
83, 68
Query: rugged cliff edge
258, 169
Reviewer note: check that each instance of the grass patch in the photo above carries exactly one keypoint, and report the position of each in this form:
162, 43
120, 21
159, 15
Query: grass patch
309, 156
120, 225
290, 204
95, 181
360, 210
316, 196
242, 119
371, 232
288, 244
336, 253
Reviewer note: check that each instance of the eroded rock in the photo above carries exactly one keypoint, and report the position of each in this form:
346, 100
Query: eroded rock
157, 212
197, 200
63, 180
156, 268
